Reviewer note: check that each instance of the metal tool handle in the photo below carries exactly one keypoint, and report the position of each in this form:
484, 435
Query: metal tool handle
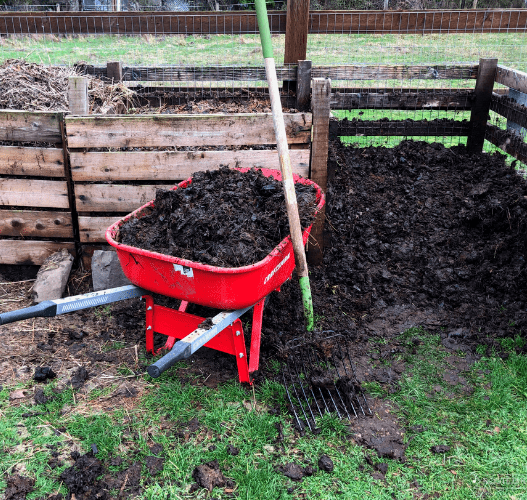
182, 350
46, 309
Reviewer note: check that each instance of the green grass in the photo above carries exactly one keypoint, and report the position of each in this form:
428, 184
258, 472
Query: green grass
245, 49
486, 431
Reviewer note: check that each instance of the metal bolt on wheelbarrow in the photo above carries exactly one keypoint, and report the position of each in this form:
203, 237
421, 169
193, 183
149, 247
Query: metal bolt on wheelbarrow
319, 377
235, 290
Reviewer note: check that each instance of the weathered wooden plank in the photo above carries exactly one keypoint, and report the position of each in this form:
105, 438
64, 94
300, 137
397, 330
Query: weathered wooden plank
424, 99
182, 130
174, 165
204, 73
508, 142
396, 72
114, 197
30, 126
33, 193
29, 252
46, 224
43, 162
92, 229
512, 78
481, 106
303, 86
509, 109
319, 160
156, 23
257, 73
297, 25
419, 22
442, 127
208, 23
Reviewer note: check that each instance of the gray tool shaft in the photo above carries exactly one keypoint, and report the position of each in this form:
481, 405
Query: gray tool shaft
50, 308
193, 341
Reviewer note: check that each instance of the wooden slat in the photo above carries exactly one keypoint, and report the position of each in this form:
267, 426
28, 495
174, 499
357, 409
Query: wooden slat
43, 162
396, 72
419, 22
27, 252
92, 229
195, 23
44, 224
509, 109
174, 165
446, 128
204, 73
512, 78
319, 160
439, 100
481, 106
341, 72
182, 130
114, 197
508, 142
33, 193
30, 126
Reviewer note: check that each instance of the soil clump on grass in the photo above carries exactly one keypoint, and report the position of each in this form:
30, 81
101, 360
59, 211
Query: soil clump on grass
224, 218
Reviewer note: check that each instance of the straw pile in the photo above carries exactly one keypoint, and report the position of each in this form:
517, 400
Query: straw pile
36, 87
33, 87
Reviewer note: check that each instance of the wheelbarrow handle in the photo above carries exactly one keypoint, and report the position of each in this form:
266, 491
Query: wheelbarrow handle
46, 309
50, 308
182, 350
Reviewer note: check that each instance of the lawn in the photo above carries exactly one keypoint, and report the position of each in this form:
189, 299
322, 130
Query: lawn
244, 50
481, 421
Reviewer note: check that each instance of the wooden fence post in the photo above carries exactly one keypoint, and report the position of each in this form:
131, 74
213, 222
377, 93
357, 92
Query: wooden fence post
78, 95
481, 105
114, 71
303, 85
320, 104
296, 29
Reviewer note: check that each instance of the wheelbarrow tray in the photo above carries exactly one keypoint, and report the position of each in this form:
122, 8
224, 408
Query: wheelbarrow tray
212, 286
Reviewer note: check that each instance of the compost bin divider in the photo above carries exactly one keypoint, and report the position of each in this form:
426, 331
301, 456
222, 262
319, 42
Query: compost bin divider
320, 104
481, 107
35, 213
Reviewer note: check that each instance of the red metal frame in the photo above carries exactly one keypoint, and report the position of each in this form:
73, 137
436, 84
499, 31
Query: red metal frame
231, 340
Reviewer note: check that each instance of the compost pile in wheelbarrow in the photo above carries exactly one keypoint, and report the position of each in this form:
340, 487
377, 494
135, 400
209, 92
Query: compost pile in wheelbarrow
224, 218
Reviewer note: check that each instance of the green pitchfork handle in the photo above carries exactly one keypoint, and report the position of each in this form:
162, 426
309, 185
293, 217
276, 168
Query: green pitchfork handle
285, 164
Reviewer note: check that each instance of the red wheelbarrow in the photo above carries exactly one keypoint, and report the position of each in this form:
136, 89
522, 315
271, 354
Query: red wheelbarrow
233, 290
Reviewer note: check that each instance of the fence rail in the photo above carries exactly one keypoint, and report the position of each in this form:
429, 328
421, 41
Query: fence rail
238, 23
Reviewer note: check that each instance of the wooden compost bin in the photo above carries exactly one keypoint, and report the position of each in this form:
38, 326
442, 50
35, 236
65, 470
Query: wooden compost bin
138, 158
35, 215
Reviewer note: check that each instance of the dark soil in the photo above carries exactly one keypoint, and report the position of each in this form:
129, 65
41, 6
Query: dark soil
419, 235
224, 218
18, 487
294, 471
209, 475
325, 463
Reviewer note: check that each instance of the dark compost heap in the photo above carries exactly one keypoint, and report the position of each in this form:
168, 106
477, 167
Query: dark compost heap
224, 218
418, 227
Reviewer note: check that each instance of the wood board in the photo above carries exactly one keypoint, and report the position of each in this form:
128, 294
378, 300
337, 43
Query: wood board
30, 252
182, 130
123, 198
40, 162
30, 126
34, 193
512, 78
174, 165
92, 229
418, 22
28, 223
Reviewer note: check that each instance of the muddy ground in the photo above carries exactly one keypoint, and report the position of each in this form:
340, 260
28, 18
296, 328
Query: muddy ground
419, 235
225, 218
